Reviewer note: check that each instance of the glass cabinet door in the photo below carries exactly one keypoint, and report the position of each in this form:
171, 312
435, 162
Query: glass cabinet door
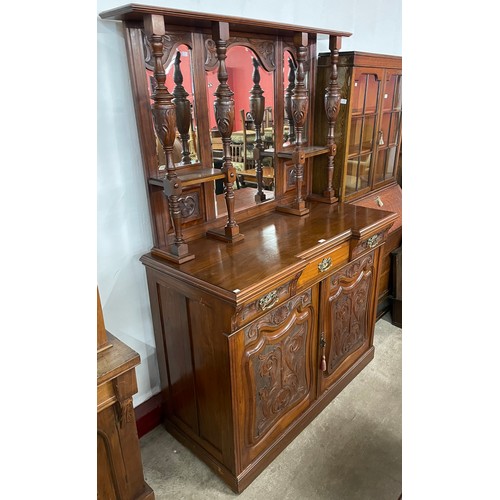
366, 89
388, 136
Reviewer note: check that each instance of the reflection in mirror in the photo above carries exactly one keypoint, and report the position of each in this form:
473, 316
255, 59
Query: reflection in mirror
180, 84
248, 129
289, 75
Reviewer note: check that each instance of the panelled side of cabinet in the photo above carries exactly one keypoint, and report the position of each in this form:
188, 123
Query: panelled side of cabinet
191, 331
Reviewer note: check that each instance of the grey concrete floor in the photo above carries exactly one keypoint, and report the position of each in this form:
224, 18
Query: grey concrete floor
351, 451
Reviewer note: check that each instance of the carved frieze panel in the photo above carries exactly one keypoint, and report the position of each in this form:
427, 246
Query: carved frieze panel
170, 42
264, 49
255, 308
278, 315
369, 243
352, 270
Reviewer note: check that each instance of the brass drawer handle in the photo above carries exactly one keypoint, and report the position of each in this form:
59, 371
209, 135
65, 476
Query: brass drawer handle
325, 264
371, 242
269, 300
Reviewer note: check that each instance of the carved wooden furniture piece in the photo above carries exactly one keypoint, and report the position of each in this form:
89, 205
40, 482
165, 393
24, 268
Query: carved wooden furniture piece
256, 335
368, 142
241, 331
119, 465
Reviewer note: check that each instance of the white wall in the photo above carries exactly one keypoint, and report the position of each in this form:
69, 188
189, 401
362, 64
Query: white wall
123, 228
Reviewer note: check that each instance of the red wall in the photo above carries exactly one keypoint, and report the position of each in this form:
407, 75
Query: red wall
185, 68
240, 70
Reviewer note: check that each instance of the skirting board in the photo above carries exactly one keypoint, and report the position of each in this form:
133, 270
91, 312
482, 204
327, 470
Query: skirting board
148, 415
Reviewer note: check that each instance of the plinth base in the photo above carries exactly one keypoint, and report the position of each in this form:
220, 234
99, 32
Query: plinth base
326, 197
293, 210
222, 235
168, 255
259, 198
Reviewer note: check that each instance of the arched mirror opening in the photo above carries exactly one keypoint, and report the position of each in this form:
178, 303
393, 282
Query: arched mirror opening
179, 82
253, 129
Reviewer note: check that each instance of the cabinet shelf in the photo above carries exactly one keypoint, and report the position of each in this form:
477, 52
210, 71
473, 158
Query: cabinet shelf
361, 114
309, 151
191, 178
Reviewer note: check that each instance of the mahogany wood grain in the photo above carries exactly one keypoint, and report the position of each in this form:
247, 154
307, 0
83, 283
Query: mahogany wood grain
119, 466
268, 254
140, 96
370, 59
135, 12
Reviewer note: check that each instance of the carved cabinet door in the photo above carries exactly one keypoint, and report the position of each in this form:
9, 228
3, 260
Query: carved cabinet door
276, 376
347, 319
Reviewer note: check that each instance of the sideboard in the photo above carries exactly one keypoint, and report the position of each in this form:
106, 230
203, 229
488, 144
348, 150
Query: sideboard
263, 297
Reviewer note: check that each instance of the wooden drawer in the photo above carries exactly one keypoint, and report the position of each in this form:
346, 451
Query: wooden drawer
320, 266
271, 297
366, 244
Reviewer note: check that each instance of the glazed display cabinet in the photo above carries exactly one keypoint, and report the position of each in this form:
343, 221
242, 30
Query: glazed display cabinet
368, 127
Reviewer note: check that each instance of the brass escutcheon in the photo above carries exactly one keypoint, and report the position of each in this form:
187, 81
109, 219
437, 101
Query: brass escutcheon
269, 300
325, 264
371, 242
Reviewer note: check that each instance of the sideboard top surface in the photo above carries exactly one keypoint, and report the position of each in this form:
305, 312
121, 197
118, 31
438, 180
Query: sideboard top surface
118, 359
135, 12
275, 246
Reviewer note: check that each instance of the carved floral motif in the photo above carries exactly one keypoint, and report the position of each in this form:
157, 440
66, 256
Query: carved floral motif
189, 205
352, 269
281, 378
349, 310
278, 315
350, 320
263, 49
170, 42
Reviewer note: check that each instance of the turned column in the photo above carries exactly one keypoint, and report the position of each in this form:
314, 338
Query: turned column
163, 110
332, 106
224, 118
288, 101
300, 104
182, 110
257, 105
